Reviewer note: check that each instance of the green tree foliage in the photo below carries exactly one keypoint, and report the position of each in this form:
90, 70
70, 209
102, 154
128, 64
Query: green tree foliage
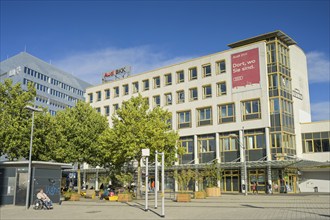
135, 127
75, 134
15, 120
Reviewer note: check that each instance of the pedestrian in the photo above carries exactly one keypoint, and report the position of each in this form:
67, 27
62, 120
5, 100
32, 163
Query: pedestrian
254, 188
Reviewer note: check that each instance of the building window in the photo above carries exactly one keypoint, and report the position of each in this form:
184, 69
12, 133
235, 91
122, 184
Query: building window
184, 119
221, 66
193, 94
168, 99
107, 110
135, 87
207, 91
188, 144
125, 89
226, 113
204, 116
228, 143
115, 107
116, 91
168, 79
193, 73
254, 139
221, 88
145, 85
107, 93
180, 76
156, 82
146, 99
90, 97
206, 70
316, 142
206, 143
180, 96
251, 109
98, 94
98, 110
156, 101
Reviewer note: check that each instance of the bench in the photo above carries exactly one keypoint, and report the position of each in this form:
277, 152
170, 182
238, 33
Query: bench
90, 193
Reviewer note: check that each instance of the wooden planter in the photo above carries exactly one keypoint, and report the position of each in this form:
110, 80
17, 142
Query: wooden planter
125, 198
74, 197
183, 197
213, 192
200, 195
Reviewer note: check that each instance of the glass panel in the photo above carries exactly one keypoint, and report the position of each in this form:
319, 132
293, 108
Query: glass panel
226, 144
325, 145
317, 146
230, 110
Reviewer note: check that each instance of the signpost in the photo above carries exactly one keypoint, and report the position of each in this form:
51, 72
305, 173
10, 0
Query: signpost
146, 154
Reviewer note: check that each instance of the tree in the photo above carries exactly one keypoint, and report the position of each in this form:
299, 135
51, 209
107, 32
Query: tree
15, 120
136, 127
75, 134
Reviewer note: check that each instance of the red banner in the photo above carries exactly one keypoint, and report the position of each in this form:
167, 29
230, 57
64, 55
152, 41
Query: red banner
245, 68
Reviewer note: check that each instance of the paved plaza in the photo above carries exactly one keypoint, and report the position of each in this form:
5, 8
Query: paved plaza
302, 206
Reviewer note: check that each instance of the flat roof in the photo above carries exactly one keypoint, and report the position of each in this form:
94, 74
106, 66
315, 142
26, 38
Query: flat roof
23, 162
279, 34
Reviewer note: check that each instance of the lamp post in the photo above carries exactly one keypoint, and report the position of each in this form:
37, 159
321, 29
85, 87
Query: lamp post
33, 109
244, 164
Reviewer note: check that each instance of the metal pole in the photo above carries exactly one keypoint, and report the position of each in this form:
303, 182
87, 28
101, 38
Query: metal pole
156, 179
146, 188
245, 165
163, 185
27, 204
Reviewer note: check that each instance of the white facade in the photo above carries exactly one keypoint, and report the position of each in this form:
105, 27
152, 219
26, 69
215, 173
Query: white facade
254, 91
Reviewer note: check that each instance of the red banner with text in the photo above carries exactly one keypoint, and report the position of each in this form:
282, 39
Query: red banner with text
245, 68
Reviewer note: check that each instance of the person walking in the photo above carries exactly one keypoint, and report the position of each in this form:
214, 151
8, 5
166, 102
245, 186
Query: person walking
254, 188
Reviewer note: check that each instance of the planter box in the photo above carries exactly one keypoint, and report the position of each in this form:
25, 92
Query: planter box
113, 198
213, 192
125, 198
200, 195
75, 197
183, 197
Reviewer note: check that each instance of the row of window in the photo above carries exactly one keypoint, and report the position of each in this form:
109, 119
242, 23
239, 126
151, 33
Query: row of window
226, 113
316, 142
168, 80
221, 89
227, 142
51, 91
52, 81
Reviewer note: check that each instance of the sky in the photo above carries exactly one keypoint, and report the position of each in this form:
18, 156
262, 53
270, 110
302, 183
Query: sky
87, 38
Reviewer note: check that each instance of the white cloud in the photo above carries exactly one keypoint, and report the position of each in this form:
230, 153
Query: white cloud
318, 67
89, 66
320, 111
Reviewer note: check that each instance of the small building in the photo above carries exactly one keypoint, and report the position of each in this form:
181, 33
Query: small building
14, 180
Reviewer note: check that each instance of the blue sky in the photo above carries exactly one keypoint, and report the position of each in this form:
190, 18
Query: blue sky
86, 38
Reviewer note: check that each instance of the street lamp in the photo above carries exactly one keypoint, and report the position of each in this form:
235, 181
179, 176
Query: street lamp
33, 109
244, 164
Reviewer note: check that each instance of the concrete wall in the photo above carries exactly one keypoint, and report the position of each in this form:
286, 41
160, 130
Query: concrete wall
312, 179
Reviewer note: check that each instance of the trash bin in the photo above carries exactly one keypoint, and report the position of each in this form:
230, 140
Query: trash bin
316, 189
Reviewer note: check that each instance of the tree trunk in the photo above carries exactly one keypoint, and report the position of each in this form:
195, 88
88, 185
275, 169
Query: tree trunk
78, 179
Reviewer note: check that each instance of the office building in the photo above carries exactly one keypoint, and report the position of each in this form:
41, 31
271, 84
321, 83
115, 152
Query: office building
55, 88
248, 105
